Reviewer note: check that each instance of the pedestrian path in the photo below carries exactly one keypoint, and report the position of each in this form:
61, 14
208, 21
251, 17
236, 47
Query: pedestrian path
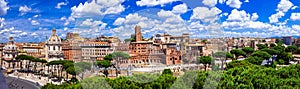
33, 78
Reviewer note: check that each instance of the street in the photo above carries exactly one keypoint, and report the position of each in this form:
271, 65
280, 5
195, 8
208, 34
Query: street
17, 83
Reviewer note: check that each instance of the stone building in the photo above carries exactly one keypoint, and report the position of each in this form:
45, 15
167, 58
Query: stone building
71, 47
92, 50
53, 48
158, 50
33, 49
10, 52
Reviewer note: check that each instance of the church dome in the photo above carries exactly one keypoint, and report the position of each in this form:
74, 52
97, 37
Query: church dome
10, 45
54, 38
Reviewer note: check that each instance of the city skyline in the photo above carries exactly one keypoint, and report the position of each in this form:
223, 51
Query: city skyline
32, 21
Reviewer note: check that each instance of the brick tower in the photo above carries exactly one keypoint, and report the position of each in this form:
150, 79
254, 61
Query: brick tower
138, 33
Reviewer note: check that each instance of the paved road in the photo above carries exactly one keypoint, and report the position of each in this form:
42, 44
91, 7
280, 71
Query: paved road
3, 84
17, 83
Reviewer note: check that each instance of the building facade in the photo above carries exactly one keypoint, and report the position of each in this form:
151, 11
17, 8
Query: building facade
158, 50
10, 52
53, 48
288, 40
95, 50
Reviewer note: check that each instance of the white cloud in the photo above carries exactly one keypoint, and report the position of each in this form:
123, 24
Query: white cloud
23, 34
239, 16
35, 16
58, 6
165, 14
284, 5
222, 1
33, 22
24, 9
63, 18
34, 34
119, 21
254, 16
246, 1
282, 8
295, 16
92, 23
234, 3
205, 14
296, 27
294, 7
274, 18
2, 22
97, 7
154, 2
3, 7
210, 3
180, 9
166, 21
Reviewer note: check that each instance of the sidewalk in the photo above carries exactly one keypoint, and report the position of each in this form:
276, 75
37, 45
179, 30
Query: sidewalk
30, 77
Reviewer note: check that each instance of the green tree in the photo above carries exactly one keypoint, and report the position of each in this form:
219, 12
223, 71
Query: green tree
237, 63
248, 50
261, 54
255, 60
206, 60
167, 71
237, 53
272, 45
108, 57
105, 64
261, 46
291, 48
270, 51
287, 57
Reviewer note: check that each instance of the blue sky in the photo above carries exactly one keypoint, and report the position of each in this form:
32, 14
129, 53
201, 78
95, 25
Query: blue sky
32, 20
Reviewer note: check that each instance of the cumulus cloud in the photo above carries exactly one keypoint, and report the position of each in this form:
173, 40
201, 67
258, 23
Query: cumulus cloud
119, 21
3, 7
282, 8
35, 16
241, 16
98, 7
33, 22
2, 22
295, 16
95, 8
180, 9
58, 6
154, 2
24, 9
274, 18
284, 5
205, 14
92, 23
210, 3
234, 3
89, 28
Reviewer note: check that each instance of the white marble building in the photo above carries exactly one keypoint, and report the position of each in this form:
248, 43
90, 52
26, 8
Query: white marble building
10, 52
54, 48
